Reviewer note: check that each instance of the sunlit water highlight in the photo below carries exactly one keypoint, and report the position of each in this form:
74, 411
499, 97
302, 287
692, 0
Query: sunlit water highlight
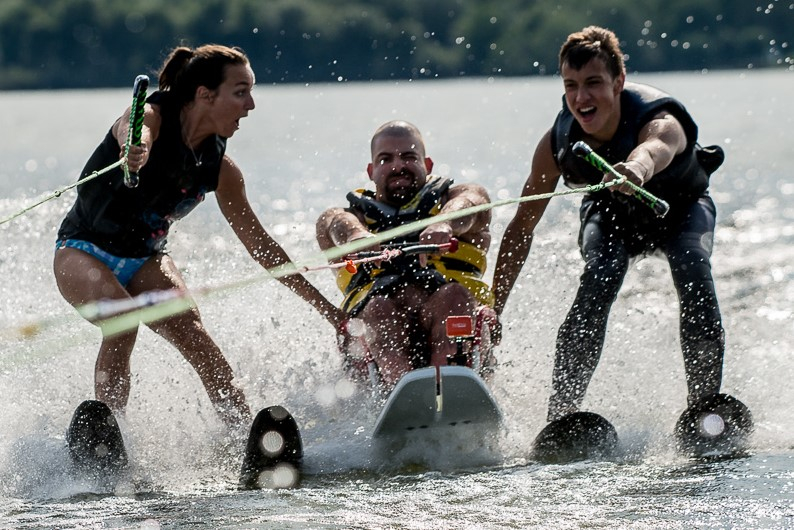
302, 149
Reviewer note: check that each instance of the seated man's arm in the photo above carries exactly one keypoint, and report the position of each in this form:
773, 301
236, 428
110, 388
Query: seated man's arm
472, 228
337, 226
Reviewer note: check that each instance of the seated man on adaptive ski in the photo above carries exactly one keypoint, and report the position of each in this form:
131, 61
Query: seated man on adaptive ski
405, 303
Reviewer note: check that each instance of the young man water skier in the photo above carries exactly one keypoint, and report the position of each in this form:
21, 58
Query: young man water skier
651, 139
403, 304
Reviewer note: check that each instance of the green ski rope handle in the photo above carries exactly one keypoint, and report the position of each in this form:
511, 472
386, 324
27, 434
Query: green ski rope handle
136, 125
659, 206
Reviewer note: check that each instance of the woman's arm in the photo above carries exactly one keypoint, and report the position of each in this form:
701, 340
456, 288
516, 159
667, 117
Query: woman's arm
264, 249
139, 154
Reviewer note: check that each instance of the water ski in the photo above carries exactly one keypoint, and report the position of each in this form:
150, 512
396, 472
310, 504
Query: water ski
716, 426
432, 401
575, 436
273, 452
95, 443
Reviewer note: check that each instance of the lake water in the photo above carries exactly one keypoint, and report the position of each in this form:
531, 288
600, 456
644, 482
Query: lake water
302, 149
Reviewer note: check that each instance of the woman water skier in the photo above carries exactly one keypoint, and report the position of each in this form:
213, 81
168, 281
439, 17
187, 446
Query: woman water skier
112, 243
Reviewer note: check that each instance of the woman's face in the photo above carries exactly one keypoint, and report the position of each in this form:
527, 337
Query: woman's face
232, 100
593, 96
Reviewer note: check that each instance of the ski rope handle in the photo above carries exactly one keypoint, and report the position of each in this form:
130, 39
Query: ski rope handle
659, 206
131, 180
388, 254
351, 261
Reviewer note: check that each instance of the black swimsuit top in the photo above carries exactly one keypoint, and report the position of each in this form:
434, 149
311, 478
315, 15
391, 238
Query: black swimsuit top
134, 222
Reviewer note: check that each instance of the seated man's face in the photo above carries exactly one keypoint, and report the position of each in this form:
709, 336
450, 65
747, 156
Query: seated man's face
399, 168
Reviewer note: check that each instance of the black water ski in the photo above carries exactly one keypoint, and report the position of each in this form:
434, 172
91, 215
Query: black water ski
576, 436
717, 426
96, 446
273, 452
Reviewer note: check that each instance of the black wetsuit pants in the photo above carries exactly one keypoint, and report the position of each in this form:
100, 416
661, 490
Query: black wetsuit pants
609, 237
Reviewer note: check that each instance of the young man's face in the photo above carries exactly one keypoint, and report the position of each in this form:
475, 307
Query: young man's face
593, 96
399, 168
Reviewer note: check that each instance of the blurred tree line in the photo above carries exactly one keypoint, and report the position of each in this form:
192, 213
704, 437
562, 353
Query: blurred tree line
104, 43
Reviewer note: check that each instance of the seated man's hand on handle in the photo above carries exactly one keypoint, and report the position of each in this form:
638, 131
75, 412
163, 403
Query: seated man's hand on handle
436, 234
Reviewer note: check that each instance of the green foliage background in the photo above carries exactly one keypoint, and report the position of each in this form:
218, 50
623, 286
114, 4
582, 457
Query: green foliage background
102, 43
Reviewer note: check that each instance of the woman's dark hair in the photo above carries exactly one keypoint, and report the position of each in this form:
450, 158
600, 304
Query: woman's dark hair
185, 69
592, 41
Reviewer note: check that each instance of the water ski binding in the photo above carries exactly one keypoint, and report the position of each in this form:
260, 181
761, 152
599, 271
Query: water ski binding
717, 426
575, 436
273, 452
96, 446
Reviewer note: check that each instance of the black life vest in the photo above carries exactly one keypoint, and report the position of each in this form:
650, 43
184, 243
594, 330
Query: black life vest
685, 179
134, 222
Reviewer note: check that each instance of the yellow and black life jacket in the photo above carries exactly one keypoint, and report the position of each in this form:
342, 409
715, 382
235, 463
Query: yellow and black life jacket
466, 265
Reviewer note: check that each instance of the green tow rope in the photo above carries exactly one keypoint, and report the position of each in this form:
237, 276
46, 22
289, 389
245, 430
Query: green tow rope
133, 138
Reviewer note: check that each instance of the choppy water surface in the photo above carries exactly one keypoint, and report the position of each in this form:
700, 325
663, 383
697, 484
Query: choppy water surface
301, 150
